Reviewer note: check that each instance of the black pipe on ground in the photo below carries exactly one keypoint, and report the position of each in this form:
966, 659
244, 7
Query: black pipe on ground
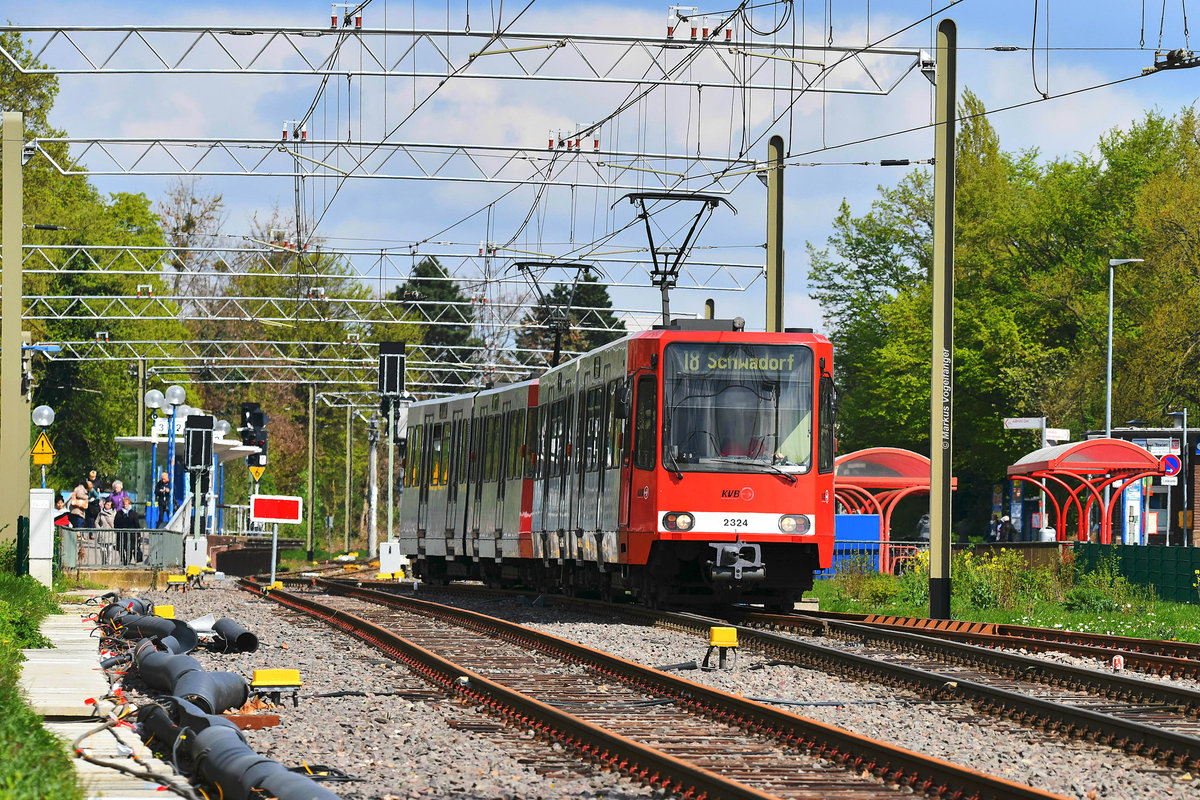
233, 638
216, 751
182, 675
174, 635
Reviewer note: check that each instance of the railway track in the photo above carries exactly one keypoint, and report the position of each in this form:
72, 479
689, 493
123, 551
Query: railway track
1152, 656
669, 732
1152, 719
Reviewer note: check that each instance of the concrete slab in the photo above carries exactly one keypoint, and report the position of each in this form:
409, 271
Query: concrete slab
120, 746
58, 681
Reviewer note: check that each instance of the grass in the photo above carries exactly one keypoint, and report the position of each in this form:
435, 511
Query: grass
34, 764
1004, 589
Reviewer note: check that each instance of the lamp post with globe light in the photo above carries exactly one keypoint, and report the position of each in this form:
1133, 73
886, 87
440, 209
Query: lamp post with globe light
154, 400
43, 417
175, 395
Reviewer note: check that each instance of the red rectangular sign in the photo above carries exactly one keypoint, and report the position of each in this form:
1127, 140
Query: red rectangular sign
276, 508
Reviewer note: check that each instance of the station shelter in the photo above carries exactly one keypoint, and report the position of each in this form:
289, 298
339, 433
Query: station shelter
151, 456
1075, 475
874, 481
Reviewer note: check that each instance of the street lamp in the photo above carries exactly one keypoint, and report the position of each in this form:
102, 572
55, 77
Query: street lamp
1112, 264
175, 395
1181, 417
43, 417
154, 400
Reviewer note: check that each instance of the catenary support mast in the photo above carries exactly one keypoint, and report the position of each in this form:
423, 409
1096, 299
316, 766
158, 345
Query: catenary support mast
942, 387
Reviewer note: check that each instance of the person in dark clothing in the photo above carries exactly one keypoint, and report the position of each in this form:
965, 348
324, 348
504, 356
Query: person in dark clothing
162, 496
94, 501
130, 541
1007, 531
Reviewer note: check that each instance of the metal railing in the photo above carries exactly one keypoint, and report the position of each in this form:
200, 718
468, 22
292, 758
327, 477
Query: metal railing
119, 547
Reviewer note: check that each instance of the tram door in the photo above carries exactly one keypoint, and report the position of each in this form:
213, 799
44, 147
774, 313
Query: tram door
504, 421
454, 473
640, 457
422, 450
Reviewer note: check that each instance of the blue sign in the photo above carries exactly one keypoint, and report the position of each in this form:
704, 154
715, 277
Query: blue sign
1171, 464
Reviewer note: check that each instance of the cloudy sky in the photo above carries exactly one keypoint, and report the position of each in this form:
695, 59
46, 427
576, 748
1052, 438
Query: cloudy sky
1055, 109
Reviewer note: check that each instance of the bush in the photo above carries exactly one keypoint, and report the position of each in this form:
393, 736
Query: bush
880, 590
33, 763
914, 581
851, 575
1090, 599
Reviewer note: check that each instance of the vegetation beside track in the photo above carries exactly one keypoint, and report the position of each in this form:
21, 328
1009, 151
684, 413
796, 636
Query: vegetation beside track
1005, 589
33, 763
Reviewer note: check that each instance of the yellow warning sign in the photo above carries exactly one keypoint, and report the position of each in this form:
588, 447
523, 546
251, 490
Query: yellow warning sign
257, 472
43, 452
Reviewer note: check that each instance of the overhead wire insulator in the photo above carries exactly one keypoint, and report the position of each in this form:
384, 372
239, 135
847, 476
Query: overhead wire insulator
705, 27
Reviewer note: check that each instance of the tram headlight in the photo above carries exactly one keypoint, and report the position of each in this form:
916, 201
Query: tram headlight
678, 521
794, 523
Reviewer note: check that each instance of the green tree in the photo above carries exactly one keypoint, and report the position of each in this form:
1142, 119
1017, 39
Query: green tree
447, 317
94, 399
590, 320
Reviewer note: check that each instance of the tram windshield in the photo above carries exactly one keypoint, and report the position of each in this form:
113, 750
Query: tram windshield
740, 407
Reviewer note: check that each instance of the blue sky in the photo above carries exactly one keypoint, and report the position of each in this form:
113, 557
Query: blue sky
1089, 44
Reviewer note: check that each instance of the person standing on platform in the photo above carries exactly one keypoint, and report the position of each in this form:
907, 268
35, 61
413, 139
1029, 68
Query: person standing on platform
107, 518
77, 507
129, 539
93, 498
1007, 531
118, 496
62, 517
162, 495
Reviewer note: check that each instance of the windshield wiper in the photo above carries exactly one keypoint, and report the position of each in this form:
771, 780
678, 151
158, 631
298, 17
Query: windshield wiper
776, 470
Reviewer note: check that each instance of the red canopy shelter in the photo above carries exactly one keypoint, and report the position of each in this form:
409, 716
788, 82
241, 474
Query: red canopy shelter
1086, 468
875, 480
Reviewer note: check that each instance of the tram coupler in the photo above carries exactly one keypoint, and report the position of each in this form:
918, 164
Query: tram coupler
735, 561
722, 640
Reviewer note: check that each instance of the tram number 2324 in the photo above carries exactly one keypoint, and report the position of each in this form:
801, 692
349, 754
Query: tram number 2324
737, 522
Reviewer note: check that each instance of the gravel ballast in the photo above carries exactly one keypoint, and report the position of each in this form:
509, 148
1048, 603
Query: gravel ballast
401, 747
410, 748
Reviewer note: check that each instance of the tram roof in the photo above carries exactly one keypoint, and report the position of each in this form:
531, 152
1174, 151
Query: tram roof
1089, 457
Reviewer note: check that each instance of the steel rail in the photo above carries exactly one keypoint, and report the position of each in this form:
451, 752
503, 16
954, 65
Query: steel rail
1165, 658
1146, 740
890, 763
590, 742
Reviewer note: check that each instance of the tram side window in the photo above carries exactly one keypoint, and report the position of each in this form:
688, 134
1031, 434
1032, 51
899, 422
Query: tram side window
516, 443
595, 424
616, 427
582, 425
825, 432
412, 459
503, 441
532, 442
554, 439
645, 422
435, 458
444, 458
490, 429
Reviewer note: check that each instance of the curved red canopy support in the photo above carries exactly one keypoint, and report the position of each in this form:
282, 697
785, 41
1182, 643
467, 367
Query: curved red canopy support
887, 475
1096, 463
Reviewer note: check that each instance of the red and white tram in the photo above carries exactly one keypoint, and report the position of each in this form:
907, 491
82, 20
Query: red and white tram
686, 465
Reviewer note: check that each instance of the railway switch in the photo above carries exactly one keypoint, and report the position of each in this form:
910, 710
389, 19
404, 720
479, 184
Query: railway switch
721, 640
274, 683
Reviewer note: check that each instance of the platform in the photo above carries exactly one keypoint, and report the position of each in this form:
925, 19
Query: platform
58, 681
